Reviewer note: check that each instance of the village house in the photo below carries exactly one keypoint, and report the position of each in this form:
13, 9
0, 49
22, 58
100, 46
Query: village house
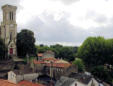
19, 75
79, 80
54, 67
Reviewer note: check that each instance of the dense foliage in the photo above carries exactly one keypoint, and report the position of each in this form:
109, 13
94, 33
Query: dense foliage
96, 52
26, 43
92, 51
80, 64
103, 73
65, 52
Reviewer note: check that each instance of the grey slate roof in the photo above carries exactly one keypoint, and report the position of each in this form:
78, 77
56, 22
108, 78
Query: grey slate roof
65, 81
83, 78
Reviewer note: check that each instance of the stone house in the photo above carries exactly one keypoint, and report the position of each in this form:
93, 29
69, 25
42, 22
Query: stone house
19, 75
54, 67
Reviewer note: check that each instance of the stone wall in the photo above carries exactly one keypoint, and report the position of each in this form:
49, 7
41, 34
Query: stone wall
12, 77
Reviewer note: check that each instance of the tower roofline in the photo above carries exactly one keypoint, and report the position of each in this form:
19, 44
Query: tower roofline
9, 6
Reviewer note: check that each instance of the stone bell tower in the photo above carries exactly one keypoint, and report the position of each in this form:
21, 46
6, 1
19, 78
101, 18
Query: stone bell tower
9, 28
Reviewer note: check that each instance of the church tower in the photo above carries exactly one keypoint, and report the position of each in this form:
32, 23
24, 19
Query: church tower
8, 28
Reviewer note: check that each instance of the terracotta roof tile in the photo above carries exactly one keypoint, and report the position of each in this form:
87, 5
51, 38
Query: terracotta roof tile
63, 65
39, 62
56, 62
49, 59
6, 83
40, 54
27, 83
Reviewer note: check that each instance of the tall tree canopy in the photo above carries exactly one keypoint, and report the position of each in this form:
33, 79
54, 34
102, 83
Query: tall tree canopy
93, 51
97, 52
25, 43
109, 51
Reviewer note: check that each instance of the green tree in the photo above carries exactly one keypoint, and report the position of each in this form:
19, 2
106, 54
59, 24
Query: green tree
65, 52
102, 73
26, 43
42, 49
109, 51
80, 64
93, 51
57, 49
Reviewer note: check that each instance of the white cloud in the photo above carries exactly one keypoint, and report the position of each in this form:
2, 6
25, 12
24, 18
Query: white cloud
65, 21
77, 11
84, 14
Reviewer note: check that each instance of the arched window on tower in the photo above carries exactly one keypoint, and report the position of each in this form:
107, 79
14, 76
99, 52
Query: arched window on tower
11, 15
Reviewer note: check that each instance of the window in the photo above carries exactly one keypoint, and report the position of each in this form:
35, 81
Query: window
11, 15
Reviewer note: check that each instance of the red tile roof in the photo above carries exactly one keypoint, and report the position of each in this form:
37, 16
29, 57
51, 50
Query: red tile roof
39, 62
49, 59
27, 83
62, 65
55, 62
6, 83
40, 54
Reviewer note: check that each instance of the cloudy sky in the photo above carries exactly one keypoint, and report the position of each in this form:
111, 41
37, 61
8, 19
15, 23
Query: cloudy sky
67, 22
